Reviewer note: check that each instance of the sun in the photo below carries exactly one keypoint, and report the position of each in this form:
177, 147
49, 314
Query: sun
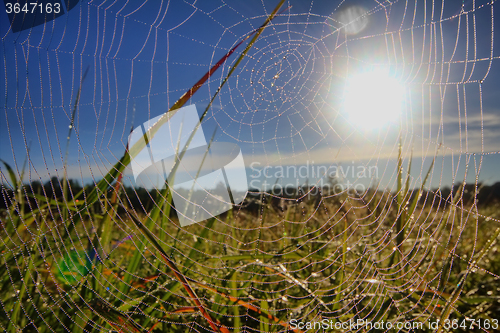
373, 99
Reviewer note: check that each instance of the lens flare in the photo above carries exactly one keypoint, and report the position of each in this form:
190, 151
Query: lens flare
354, 18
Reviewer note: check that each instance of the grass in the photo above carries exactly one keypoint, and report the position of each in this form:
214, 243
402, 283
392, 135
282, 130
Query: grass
91, 261
240, 270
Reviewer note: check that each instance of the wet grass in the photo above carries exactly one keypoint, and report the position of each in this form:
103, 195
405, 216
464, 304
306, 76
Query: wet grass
253, 269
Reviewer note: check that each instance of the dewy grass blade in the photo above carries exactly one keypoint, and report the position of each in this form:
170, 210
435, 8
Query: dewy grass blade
399, 195
29, 267
17, 202
402, 219
233, 282
12, 175
65, 161
177, 273
107, 225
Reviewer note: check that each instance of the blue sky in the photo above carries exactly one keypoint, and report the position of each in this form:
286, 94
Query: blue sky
282, 106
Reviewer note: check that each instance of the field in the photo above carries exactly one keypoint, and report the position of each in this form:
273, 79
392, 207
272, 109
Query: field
271, 264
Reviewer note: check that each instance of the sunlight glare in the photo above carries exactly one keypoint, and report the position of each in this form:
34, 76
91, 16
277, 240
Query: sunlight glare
373, 99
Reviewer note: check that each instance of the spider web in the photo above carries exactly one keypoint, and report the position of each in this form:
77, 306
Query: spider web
342, 247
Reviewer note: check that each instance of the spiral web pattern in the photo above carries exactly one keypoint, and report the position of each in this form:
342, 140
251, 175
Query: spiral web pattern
415, 246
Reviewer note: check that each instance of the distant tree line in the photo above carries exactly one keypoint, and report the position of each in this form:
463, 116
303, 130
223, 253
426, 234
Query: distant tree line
143, 199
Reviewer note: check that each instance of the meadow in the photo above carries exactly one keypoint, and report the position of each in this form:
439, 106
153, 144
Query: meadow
266, 265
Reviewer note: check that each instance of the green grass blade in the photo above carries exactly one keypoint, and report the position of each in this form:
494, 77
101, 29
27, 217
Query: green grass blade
12, 175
